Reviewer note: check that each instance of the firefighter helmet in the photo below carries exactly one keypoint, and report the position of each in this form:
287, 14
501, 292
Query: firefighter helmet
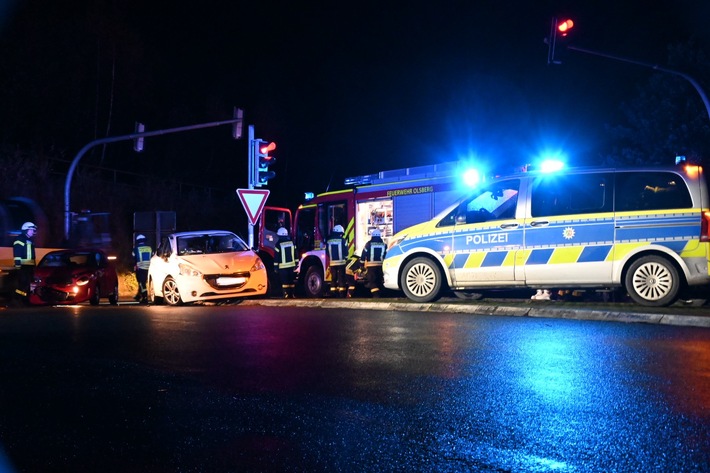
282, 232
376, 233
140, 237
338, 229
29, 226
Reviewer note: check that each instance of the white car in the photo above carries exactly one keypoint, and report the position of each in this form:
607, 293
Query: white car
204, 266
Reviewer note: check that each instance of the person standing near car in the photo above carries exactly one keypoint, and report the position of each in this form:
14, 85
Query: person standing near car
141, 255
285, 262
337, 247
23, 251
372, 256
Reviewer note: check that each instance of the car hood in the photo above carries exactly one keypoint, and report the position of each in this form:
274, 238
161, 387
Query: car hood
63, 273
222, 262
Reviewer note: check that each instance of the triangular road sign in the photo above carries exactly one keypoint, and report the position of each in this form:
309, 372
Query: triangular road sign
253, 201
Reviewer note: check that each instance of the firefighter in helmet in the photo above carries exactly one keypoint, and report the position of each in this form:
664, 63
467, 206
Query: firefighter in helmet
23, 251
337, 247
285, 262
141, 256
372, 256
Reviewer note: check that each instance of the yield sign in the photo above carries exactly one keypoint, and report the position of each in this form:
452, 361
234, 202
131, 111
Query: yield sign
253, 201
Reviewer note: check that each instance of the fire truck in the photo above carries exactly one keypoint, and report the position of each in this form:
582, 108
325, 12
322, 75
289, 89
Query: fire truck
389, 201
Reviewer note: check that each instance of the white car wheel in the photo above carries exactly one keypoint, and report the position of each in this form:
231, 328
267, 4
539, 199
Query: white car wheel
171, 293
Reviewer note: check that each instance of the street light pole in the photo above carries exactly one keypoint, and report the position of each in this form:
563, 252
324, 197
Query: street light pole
685, 76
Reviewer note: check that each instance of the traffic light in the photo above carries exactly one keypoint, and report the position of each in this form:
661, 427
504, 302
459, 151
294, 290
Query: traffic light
263, 161
564, 26
559, 29
138, 142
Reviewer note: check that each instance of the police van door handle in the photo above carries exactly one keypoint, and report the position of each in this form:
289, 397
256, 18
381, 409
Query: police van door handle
539, 223
508, 225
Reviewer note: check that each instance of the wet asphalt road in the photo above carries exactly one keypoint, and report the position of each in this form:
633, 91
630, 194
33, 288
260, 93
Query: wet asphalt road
257, 388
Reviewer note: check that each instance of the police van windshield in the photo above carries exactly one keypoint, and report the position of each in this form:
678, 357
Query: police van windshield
496, 201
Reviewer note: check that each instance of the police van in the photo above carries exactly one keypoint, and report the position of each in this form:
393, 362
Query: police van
644, 230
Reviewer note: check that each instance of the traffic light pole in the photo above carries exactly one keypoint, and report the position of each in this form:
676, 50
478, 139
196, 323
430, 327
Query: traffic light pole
113, 139
251, 172
692, 81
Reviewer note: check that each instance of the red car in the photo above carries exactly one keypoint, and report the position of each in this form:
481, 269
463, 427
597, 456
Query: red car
74, 276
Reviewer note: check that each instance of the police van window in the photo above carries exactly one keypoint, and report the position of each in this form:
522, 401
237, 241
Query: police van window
496, 201
651, 190
571, 194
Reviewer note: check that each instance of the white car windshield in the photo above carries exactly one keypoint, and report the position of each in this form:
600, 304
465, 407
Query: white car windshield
210, 244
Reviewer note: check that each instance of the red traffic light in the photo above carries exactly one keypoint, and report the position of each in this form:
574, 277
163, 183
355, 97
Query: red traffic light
270, 147
564, 27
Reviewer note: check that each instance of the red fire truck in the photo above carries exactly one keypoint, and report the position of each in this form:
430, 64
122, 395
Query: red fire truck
388, 201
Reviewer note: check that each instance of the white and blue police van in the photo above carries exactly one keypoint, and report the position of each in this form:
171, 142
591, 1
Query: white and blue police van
643, 230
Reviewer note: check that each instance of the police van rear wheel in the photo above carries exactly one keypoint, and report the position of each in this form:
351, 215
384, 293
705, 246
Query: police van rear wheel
421, 280
653, 281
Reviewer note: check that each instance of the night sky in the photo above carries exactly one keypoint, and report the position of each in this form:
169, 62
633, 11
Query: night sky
344, 89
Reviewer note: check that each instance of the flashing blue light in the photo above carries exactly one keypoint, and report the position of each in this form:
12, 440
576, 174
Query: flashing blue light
551, 165
471, 177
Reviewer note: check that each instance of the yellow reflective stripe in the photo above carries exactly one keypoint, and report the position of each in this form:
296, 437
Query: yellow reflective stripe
349, 237
694, 249
448, 259
620, 250
509, 259
475, 260
567, 254
521, 256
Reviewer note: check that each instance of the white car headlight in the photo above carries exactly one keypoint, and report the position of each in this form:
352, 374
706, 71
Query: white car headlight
187, 270
258, 265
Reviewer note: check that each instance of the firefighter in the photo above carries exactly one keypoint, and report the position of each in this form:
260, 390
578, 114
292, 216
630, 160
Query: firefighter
372, 256
285, 262
141, 255
23, 251
337, 247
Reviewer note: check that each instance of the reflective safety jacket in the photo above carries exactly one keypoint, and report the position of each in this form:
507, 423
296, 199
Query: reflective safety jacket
141, 255
285, 254
337, 248
374, 252
23, 251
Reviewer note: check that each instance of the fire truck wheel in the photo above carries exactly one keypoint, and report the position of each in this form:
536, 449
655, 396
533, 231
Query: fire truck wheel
421, 280
313, 285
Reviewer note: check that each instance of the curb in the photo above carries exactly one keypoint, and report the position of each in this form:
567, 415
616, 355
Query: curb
496, 310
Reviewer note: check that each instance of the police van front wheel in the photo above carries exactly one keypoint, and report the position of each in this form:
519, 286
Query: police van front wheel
653, 281
421, 280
